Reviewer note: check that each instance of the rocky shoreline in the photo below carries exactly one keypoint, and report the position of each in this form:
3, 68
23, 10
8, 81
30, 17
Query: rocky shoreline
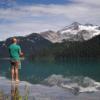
26, 91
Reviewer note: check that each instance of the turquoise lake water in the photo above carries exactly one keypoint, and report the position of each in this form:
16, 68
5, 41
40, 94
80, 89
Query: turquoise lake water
37, 71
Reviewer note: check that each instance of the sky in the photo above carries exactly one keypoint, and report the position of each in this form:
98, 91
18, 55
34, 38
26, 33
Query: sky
22, 17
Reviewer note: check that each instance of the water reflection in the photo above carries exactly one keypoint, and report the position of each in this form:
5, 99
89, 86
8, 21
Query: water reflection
15, 93
42, 70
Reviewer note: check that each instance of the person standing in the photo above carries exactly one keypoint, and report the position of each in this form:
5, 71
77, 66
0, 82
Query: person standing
15, 53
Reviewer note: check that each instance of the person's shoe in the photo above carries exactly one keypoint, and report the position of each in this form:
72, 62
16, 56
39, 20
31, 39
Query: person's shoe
17, 81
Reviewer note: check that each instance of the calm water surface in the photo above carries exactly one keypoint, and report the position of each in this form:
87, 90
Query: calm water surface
39, 70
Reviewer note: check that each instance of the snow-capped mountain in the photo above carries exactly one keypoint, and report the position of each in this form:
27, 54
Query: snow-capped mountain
36, 45
51, 36
73, 32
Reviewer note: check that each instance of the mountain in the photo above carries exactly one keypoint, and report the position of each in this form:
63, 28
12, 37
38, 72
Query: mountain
51, 36
30, 44
73, 32
77, 49
75, 40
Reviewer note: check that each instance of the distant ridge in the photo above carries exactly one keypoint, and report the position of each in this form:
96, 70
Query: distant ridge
74, 41
73, 32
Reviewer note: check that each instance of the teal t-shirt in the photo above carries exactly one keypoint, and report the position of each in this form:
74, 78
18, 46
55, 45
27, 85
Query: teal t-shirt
14, 51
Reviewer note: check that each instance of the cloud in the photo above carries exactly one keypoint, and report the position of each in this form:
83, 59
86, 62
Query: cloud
88, 2
21, 20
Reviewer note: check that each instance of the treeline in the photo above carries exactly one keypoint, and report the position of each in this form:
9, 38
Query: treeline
68, 49
44, 49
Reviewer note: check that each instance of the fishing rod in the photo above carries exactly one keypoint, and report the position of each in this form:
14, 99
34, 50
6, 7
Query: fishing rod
22, 58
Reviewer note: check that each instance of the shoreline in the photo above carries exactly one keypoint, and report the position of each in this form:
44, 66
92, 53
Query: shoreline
44, 92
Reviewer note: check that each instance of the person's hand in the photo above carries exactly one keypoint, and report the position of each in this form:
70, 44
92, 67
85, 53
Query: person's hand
21, 54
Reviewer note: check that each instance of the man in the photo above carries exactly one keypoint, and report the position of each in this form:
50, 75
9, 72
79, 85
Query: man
15, 53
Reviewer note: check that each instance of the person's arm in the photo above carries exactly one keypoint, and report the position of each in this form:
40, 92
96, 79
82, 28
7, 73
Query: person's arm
20, 52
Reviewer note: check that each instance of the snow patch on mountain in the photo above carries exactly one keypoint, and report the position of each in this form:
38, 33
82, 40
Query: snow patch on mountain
73, 32
51, 36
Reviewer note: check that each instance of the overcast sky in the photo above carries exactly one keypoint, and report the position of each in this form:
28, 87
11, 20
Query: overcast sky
21, 17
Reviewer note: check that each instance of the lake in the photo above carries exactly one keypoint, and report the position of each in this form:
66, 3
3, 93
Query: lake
36, 71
